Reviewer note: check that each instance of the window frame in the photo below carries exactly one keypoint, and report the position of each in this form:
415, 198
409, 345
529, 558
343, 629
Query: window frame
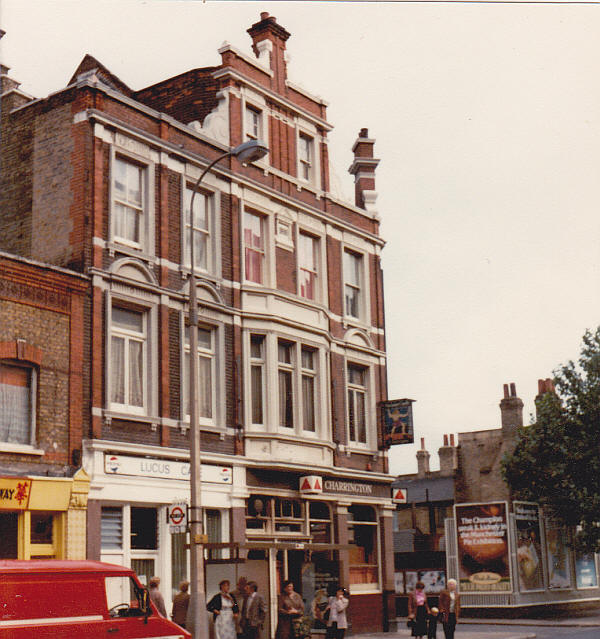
306, 164
358, 287
288, 369
261, 251
261, 363
257, 123
209, 232
145, 246
127, 408
376, 564
32, 372
316, 266
217, 328
352, 387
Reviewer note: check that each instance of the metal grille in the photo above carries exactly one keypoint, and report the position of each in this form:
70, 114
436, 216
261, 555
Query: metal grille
451, 549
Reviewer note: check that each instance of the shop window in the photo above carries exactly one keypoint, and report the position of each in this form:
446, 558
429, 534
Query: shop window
319, 519
364, 555
214, 532
17, 404
41, 528
111, 529
9, 534
257, 512
144, 528
288, 515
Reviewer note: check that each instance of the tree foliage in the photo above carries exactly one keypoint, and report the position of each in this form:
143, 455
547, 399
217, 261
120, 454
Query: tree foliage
556, 461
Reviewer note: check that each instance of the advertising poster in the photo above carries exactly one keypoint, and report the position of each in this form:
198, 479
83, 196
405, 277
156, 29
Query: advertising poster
483, 552
585, 571
410, 579
558, 555
399, 583
397, 421
434, 580
529, 546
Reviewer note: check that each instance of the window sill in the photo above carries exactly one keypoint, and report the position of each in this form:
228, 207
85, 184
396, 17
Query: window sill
115, 247
22, 449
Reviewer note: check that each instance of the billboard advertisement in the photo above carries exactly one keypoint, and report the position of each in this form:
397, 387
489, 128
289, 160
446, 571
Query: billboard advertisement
529, 546
585, 571
483, 547
558, 556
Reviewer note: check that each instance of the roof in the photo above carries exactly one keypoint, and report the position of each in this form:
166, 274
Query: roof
424, 489
55, 565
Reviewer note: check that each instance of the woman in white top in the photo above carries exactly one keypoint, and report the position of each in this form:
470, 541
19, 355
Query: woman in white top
338, 621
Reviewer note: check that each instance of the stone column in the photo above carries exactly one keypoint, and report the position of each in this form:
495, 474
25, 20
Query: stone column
76, 517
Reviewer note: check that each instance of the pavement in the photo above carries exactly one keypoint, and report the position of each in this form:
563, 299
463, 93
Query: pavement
502, 627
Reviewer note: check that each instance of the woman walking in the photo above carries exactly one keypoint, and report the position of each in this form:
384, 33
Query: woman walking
418, 610
450, 608
337, 622
225, 611
290, 606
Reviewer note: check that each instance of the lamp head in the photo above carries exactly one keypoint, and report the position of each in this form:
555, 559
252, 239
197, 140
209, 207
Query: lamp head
250, 151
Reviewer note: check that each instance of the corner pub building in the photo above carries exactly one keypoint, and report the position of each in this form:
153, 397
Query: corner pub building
291, 343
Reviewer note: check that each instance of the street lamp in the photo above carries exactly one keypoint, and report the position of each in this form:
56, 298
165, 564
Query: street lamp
247, 152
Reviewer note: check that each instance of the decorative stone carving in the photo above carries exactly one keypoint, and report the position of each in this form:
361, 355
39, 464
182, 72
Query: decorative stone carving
216, 123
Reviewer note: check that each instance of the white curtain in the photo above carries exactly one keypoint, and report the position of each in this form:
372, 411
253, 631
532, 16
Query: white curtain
117, 355
15, 403
136, 372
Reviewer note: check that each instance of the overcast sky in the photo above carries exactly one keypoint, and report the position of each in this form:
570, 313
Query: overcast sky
487, 124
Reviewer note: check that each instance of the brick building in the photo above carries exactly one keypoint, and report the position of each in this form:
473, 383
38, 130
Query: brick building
97, 177
506, 554
43, 490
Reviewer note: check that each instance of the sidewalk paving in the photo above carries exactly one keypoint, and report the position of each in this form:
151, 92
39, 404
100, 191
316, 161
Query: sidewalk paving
487, 634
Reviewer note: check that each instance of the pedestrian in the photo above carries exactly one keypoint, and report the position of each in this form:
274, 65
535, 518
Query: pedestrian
225, 610
450, 608
289, 606
253, 612
181, 601
240, 594
155, 595
432, 622
418, 610
337, 621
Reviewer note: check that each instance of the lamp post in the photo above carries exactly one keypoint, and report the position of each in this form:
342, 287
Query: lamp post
196, 619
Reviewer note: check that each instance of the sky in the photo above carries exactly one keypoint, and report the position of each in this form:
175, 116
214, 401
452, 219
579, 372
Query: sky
487, 123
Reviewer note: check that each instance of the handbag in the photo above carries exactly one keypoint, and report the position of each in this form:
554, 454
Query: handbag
410, 623
326, 615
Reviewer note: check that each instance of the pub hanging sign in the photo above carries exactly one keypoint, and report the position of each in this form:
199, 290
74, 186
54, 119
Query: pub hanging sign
397, 421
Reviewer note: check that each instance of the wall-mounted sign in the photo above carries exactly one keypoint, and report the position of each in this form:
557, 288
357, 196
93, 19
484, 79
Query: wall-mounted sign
483, 551
177, 517
311, 485
14, 493
347, 487
163, 469
397, 421
399, 495
529, 546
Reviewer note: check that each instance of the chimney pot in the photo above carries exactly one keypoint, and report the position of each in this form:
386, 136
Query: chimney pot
264, 15
422, 443
541, 386
505, 391
364, 133
513, 390
445, 440
452, 439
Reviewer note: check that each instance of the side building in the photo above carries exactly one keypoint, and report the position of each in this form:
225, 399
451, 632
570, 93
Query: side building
98, 178
43, 489
506, 555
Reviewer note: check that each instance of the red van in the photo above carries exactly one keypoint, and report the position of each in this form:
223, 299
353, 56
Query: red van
72, 599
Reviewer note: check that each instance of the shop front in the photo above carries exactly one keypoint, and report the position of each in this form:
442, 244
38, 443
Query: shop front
132, 488
320, 532
43, 517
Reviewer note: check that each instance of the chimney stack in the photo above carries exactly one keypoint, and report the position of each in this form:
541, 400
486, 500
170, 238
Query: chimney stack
511, 412
363, 170
447, 455
422, 460
268, 41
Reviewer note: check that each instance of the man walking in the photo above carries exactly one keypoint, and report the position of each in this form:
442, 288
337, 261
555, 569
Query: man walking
156, 596
254, 612
181, 601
